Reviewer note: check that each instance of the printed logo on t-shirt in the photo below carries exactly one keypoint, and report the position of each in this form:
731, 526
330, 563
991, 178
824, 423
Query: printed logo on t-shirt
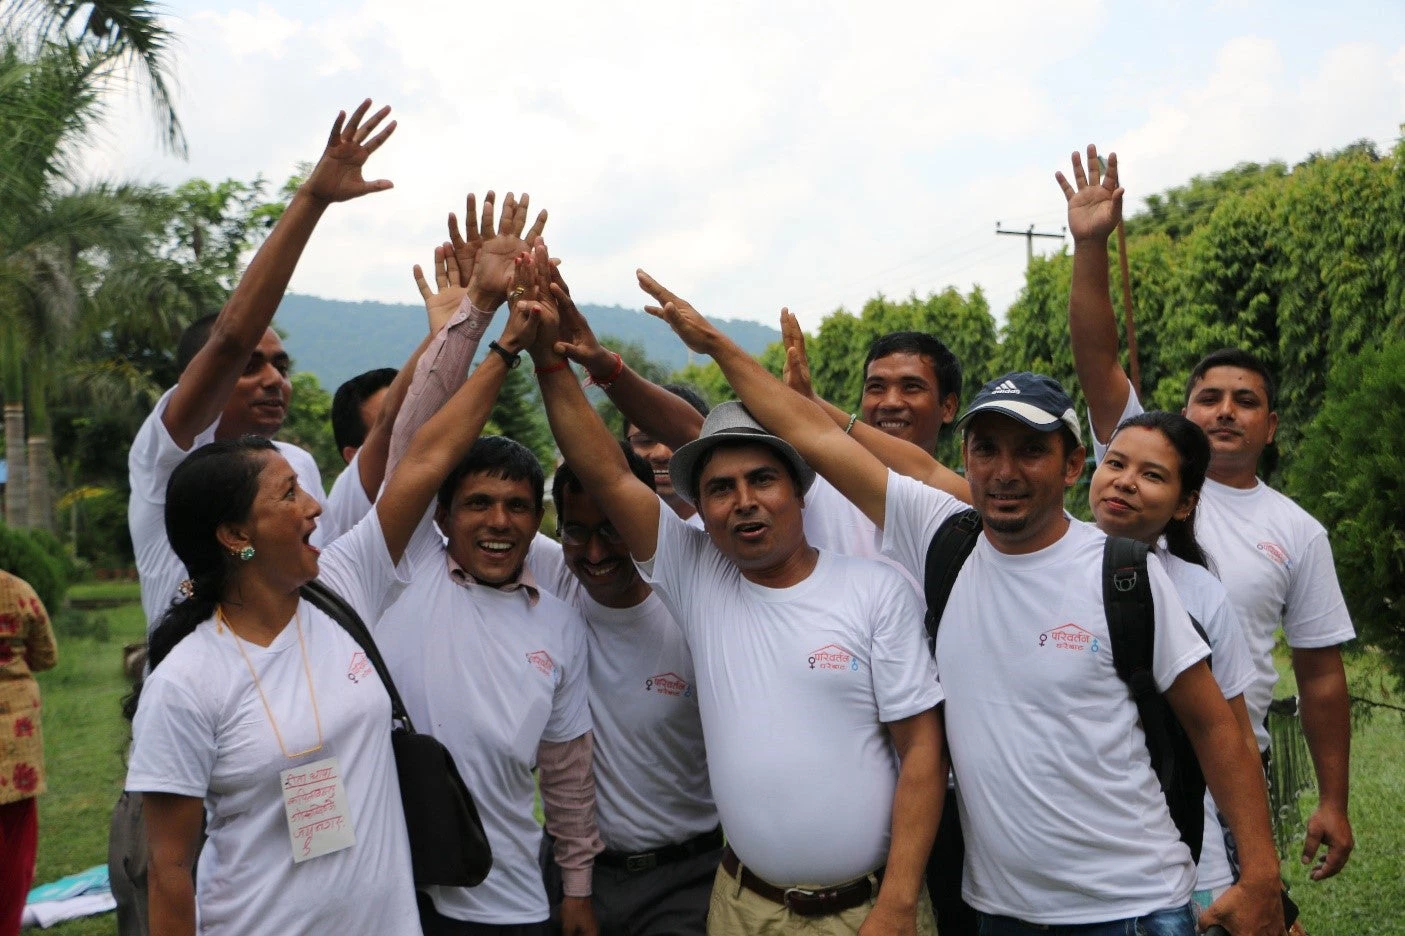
833, 657
669, 684
1070, 637
542, 661
360, 667
1277, 553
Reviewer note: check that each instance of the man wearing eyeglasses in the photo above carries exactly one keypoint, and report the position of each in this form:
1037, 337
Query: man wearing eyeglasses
654, 805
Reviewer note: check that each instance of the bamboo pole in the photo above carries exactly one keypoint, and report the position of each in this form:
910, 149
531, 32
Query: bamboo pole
1133, 364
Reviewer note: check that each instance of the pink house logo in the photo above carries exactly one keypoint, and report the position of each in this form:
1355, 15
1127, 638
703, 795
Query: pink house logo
1275, 552
360, 667
1070, 637
669, 684
542, 661
832, 657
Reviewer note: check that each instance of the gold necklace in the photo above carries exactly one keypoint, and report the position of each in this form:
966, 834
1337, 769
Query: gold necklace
268, 710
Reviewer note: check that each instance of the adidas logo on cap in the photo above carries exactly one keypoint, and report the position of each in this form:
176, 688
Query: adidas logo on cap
1007, 386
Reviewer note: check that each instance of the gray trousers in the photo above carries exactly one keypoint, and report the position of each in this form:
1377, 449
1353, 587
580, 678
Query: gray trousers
670, 900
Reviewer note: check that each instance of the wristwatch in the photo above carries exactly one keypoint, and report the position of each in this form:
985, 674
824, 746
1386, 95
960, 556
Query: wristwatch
512, 360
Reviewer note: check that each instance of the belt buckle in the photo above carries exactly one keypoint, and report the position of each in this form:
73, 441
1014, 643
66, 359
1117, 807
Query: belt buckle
646, 861
800, 892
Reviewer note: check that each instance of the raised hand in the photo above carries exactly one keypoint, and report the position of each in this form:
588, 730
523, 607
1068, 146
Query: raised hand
796, 372
533, 273
577, 341
697, 332
1095, 207
494, 269
337, 175
441, 305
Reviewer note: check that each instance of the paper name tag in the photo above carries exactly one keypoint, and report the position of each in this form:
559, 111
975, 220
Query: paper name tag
319, 819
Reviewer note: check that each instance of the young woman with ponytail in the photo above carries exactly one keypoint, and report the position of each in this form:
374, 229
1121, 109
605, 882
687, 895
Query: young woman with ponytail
1146, 487
253, 691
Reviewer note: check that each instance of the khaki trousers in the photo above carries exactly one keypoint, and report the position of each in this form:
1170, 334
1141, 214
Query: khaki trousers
736, 911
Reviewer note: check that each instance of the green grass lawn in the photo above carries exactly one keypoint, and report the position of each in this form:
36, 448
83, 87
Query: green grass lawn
84, 736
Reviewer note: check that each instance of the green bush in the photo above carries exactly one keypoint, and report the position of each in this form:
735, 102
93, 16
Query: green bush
21, 554
1350, 474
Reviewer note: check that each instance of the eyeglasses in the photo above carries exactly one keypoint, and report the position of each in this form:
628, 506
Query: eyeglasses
576, 534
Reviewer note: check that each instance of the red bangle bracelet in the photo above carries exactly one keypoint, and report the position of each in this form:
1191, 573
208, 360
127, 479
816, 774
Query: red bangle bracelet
604, 382
559, 365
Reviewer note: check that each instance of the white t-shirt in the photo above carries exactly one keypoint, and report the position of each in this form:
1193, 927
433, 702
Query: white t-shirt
651, 784
1206, 600
1064, 820
1276, 563
346, 504
491, 676
152, 458
833, 522
794, 685
201, 730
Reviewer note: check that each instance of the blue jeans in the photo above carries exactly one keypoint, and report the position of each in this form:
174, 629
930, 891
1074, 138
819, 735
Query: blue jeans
1178, 921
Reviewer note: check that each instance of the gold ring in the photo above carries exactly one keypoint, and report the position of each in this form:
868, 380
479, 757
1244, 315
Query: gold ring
517, 292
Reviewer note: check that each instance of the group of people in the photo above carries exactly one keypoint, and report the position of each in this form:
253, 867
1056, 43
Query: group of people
722, 678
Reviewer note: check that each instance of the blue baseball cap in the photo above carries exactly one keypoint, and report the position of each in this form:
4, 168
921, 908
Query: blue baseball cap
1038, 401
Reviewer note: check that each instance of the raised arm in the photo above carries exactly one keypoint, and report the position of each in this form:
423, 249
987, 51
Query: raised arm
208, 380
584, 440
844, 463
1094, 209
898, 454
644, 404
1235, 779
443, 441
474, 275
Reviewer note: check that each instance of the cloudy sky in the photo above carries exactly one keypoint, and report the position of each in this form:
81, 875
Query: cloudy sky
755, 154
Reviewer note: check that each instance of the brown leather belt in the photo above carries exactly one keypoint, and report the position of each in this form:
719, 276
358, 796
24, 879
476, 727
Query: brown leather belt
799, 900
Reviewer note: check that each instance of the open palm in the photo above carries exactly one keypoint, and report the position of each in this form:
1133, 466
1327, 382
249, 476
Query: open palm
1095, 205
337, 176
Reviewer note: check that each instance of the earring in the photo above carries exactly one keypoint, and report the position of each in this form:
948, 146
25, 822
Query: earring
246, 553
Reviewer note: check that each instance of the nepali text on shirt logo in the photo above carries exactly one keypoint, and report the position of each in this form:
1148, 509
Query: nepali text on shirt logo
833, 657
360, 667
542, 661
1070, 637
1277, 553
669, 684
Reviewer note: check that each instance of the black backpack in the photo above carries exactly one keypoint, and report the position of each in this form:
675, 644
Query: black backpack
1131, 625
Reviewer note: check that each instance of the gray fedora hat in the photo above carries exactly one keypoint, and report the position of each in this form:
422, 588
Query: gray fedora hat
729, 422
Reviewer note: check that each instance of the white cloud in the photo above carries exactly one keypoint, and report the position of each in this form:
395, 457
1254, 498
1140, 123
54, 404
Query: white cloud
751, 155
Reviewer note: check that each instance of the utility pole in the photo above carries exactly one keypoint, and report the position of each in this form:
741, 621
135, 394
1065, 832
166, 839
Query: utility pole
1029, 236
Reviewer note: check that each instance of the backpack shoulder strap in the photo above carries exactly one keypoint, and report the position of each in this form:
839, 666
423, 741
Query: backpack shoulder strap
1131, 614
336, 607
946, 554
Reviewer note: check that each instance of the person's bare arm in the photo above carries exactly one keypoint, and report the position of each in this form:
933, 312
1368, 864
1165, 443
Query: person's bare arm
644, 404
209, 378
173, 838
1252, 907
1326, 715
443, 441
898, 454
1094, 210
584, 440
474, 276
840, 459
917, 810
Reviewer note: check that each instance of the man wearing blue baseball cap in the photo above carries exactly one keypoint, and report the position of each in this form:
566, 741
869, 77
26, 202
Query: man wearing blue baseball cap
1065, 823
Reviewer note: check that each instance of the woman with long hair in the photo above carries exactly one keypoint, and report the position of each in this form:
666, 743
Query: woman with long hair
262, 714
1146, 488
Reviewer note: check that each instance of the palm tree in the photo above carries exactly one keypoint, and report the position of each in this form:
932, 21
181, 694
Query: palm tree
56, 61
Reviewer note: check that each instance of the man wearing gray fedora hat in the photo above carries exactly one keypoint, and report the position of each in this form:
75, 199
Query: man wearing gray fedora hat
816, 692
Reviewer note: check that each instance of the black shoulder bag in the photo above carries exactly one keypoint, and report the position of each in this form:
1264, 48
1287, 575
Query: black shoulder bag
448, 845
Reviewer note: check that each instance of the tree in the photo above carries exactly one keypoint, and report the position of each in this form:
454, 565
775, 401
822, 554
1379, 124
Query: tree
1351, 477
309, 425
56, 61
